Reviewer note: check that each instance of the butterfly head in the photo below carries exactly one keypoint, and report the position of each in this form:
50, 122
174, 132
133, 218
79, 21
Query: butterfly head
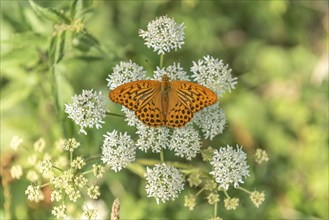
165, 78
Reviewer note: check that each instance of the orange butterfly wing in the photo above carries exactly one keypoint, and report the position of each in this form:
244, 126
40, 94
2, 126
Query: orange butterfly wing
163, 103
143, 97
186, 98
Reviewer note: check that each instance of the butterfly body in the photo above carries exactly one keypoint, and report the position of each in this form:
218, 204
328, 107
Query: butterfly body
163, 103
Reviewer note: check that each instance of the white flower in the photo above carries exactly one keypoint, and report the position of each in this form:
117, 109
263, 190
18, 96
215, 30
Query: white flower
257, 198
118, 150
89, 214
80, 181
15, 142
87, 110
56, 195
32, 176
98, 170
231, 203
174, 72
93, 192
34, 193
16, 171
163, 182
125, 72
229, 166
98, 205
58, 182
78, 163
214, 74
163, 34
73, 193
39, 145
211, 120
59, 211
70, 144
185, 142
130, 117
152, 138
45, 166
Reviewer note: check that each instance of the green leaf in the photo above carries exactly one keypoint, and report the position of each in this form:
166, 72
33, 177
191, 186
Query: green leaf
73, 8
49, 13
21, 56
56, 49
25, 39
17, 90
85, 41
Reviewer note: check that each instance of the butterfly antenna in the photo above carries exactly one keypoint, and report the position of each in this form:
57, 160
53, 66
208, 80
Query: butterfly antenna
146, 60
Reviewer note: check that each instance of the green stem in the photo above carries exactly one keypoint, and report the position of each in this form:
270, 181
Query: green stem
54, 86
57, 168
86, 172
243, 189
96, 157
115, 114
162, 156
161, 60
226, 194
200, 191
215, 210
43, 185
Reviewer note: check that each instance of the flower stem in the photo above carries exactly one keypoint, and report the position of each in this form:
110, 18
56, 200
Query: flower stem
161, 60
162, 156
54, 87
226, 194
114, 114
215, 210
243, 189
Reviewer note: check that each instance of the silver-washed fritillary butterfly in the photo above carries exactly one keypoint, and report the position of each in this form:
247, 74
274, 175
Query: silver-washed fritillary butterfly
163, 103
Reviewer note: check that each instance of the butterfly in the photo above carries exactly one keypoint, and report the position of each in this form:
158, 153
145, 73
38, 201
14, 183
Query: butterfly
163, 103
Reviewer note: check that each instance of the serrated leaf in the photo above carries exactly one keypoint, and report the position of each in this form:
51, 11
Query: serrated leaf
25, 39
24, 56
79, 8
65, 89
73, 8
17, 91
56, 49
87, 38
49, 13
85, 41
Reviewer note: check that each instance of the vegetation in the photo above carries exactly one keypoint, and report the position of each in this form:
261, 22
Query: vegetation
278, 50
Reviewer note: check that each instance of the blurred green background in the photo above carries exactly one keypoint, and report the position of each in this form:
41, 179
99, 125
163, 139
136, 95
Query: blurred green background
277, 49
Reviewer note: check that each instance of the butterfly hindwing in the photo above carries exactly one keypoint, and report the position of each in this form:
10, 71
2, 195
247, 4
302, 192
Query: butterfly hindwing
151, 115
178, 116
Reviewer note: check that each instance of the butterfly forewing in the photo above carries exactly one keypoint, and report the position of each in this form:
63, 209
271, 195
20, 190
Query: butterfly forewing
135, 95
193, 96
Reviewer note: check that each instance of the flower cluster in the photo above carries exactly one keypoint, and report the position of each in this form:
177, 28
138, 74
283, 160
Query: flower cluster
118, 150
163, 182
229, 166
163, 34
87, 110
214, 74
125, 72
67, 186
